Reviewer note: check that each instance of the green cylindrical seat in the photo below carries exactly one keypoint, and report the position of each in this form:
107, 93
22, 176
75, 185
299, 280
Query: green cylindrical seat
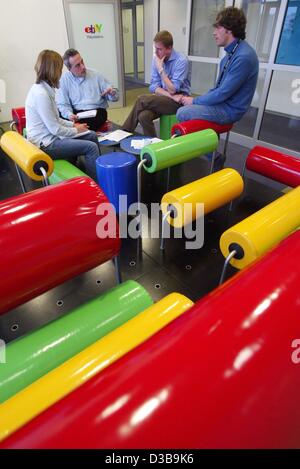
64, 170
37, 353
171, 152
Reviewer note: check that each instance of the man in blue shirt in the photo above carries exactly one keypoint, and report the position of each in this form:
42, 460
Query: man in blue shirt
82, 89
228, 101
170, 78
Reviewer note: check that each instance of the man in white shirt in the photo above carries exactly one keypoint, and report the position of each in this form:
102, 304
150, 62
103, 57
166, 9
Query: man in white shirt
82, 89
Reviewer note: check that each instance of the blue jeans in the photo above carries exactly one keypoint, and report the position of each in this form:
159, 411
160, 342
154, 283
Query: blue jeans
200, 111
70, 148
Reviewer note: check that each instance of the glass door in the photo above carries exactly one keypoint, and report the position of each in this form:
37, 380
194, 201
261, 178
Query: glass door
133, 40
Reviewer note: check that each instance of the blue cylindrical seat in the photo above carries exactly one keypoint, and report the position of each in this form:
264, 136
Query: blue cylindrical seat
116, 174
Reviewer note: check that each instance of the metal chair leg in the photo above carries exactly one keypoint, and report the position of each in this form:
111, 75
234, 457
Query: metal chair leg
20, 179
139, 190
226, 144
212, 162
163, 225
118, 275
45, 177
168, 179
227, 260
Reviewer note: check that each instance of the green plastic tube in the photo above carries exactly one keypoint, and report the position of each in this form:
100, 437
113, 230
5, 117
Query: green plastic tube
64, 170
170, 152
37, 353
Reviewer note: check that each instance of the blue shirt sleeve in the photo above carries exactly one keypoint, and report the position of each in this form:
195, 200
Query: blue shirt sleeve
155, 79
234, 78
177, 71
103, 85
180, 73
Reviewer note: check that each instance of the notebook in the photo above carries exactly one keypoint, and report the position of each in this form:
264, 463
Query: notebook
86, 114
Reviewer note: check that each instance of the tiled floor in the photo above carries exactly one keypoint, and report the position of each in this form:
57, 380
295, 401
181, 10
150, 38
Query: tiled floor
191, 272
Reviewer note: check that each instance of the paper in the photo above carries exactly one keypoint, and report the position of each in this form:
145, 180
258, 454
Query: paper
141, 143
115, 136
87, 114
81, 134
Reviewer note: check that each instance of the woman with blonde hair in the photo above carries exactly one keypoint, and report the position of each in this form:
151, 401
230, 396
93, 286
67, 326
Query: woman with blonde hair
55, 136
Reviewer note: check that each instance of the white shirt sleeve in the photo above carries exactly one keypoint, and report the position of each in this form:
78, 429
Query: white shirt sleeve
53, 123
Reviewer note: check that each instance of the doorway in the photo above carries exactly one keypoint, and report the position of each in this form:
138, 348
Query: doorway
133, 42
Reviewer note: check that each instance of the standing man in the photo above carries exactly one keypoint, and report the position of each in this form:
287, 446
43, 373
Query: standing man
82, 89
231, 97
170, 81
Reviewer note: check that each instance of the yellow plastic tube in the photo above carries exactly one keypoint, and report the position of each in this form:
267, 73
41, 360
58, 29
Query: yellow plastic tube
263, 230
26, 155
213, 191
59, 382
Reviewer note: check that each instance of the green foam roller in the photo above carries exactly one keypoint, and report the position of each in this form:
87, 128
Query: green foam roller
32, 356
64, 170
166, 123
170, 152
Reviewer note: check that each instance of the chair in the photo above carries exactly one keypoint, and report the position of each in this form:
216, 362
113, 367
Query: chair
274, 165
165, 125
117, 176
18, 120
188, 127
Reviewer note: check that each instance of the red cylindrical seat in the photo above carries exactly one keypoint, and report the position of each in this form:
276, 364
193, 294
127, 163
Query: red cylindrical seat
195, 125
223, 375
18, 116
274, 165
51, 235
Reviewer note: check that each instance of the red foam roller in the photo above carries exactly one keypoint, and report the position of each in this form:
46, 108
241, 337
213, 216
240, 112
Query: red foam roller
19, 117
49, 236
275, 165
195, 125
221, 376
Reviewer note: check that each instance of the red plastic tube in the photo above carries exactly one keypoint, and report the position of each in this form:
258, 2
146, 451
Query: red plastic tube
195, 125
274, 165
49, 236
224, 375
19, 117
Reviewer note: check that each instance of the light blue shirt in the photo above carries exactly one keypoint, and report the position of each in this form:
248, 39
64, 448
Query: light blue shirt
43, 124
178, 71
237, 87
83, 93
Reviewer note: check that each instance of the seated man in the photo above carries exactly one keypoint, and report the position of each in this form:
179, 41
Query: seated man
82, 89
228, 101
170, 80
231, 97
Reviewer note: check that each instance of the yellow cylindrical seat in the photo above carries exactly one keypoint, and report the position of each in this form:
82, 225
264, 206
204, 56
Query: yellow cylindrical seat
263, 230
213, 191
56, 384
26, 155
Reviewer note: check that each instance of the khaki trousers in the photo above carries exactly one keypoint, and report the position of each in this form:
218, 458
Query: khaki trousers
146, 109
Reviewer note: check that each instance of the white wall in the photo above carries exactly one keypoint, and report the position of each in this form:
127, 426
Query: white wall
127, 40
150, 29
173, 19
26, 28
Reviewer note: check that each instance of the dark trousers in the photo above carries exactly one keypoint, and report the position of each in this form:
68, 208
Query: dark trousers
146, 109
94, 123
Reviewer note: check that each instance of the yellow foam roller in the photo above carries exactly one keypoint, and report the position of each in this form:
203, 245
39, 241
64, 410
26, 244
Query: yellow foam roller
263, 230
59, 382
213, 191
26, 155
